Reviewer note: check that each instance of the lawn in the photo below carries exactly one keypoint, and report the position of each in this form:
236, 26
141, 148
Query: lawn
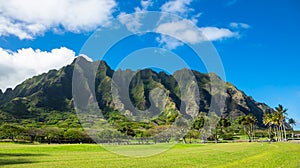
195, 155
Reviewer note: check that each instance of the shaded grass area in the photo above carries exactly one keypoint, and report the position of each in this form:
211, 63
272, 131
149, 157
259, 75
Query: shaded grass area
194, 155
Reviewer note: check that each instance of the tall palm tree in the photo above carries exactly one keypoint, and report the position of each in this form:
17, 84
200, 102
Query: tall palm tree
281, 114
252, 121
268, 121
276, 117
292, 122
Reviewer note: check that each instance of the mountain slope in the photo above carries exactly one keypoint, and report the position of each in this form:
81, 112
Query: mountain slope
47, 98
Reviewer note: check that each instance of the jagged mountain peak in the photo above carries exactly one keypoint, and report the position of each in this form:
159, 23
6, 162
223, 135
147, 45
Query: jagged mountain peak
52, 91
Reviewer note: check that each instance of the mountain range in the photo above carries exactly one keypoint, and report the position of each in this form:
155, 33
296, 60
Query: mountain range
47, 99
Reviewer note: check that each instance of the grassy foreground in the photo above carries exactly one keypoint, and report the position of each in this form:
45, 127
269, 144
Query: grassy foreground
198, 155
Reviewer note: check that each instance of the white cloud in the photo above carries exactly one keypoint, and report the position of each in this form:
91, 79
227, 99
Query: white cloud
168, 42
214, 33
28, 18
131, 21
146, 4
179, 7
185, 31
181, 30
194, 18
15, 67
23, 31
239, 25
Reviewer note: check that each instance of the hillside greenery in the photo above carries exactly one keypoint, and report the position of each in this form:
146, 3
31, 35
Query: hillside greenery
42, 109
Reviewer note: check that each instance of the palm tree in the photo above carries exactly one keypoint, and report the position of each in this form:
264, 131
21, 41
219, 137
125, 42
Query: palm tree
248, 122
292, 122
276, 117
281, 115
268, 121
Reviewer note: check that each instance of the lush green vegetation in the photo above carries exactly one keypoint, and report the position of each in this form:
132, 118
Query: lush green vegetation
124, 131
42, 109
195, 155
46, 100
278, 123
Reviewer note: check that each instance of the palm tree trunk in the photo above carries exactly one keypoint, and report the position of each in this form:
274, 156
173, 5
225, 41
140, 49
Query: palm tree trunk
250, 137
270, 130
281, 133
252, 132
277, 133
216, 138
284, 131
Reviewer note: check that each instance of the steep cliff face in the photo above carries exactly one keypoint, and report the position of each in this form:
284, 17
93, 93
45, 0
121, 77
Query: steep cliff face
238, 103
51, 92
1, 94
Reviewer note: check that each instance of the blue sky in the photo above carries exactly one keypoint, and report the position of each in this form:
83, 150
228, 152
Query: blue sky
258, 41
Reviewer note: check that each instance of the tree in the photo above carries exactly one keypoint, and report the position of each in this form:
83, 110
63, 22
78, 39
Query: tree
268, 121
181, 127
127, 130
33, 133
199, 123
211, 127
12, 131
53, 133
292, 122
223, 123
248, 122
280, 116
276, 122
164, 133
74, 135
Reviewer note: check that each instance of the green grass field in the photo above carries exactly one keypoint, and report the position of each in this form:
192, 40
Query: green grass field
197, 155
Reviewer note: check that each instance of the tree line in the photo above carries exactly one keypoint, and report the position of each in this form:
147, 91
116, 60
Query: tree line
224, 129
43, 135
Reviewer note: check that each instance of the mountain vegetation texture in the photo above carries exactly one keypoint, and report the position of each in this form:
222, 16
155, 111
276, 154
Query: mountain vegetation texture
47, 100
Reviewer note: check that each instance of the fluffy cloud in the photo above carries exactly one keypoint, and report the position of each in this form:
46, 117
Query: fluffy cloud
179, 7
239, 25
131, 21
146, 4
28, 18
185, 31
214, 33
15, 67
168, 42
20, 30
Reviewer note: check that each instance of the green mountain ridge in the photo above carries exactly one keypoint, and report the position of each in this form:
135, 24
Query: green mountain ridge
47, 99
